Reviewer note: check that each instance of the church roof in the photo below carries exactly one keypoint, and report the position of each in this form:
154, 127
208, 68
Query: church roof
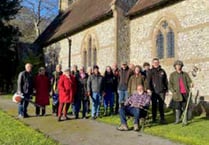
145, 5
80, 14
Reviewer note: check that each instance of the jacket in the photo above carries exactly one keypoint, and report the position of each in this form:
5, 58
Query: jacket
42, 87
157, 80
25, 83
124, 75
82, 88
174, 84
134, 81
109, 82
67, 89
95, 83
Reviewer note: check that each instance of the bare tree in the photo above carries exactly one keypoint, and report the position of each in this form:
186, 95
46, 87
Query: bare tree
34, 16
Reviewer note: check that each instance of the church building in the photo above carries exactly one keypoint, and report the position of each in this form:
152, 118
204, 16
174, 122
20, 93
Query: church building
103, 32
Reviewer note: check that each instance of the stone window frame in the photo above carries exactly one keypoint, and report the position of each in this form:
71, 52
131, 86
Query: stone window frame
172, 23
90, 45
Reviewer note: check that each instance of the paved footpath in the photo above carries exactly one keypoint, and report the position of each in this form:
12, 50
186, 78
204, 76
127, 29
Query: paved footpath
81, 131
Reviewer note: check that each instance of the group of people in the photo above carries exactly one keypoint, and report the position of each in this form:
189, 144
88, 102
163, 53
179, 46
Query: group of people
128, 90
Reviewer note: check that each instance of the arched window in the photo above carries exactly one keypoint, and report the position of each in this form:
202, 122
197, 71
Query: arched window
160, 45
165, 41
90, 50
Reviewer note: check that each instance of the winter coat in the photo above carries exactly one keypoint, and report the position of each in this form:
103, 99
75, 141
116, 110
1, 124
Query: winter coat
174, 84
42, 87
124, 75
109, 82
67, 89
82, 88
134, 81
95, 83
116, 75
25, 83
157, 80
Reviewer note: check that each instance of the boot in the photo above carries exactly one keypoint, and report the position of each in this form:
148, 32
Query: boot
105, 112
111, 111
178, 114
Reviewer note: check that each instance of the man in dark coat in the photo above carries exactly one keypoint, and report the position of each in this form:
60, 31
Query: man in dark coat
25, 88
158, 85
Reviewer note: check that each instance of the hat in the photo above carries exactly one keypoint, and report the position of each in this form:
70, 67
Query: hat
178, 62
41, 69
95, 67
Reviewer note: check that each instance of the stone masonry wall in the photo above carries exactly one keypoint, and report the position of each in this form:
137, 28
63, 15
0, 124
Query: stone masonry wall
105, 38
190, 19
123, 37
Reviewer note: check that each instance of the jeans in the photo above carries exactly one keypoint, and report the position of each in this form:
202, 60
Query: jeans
127, 110
96, 98
123, 95
109, 98
22, 107
55, 103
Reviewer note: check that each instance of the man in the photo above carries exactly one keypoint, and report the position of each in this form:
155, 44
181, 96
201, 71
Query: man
55, 96
158, 85
124, 75
95, 86
135, 105
25, 88
179, 84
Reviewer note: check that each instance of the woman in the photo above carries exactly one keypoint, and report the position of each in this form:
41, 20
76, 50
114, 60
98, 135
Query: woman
42, 87
82, 94
135, 80
109, 82
67, 89
179, 85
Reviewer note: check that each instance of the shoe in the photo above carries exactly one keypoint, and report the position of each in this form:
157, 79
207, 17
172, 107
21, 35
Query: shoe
162, 121
26, 115
20, 116
122, 127
93, 118
66, 118
59, 119
136, 127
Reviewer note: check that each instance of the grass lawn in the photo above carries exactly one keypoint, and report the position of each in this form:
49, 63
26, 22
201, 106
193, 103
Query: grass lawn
13, 132
195, 133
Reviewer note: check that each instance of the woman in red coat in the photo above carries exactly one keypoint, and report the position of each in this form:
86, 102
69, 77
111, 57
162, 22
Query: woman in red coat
42, 87
67, 89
